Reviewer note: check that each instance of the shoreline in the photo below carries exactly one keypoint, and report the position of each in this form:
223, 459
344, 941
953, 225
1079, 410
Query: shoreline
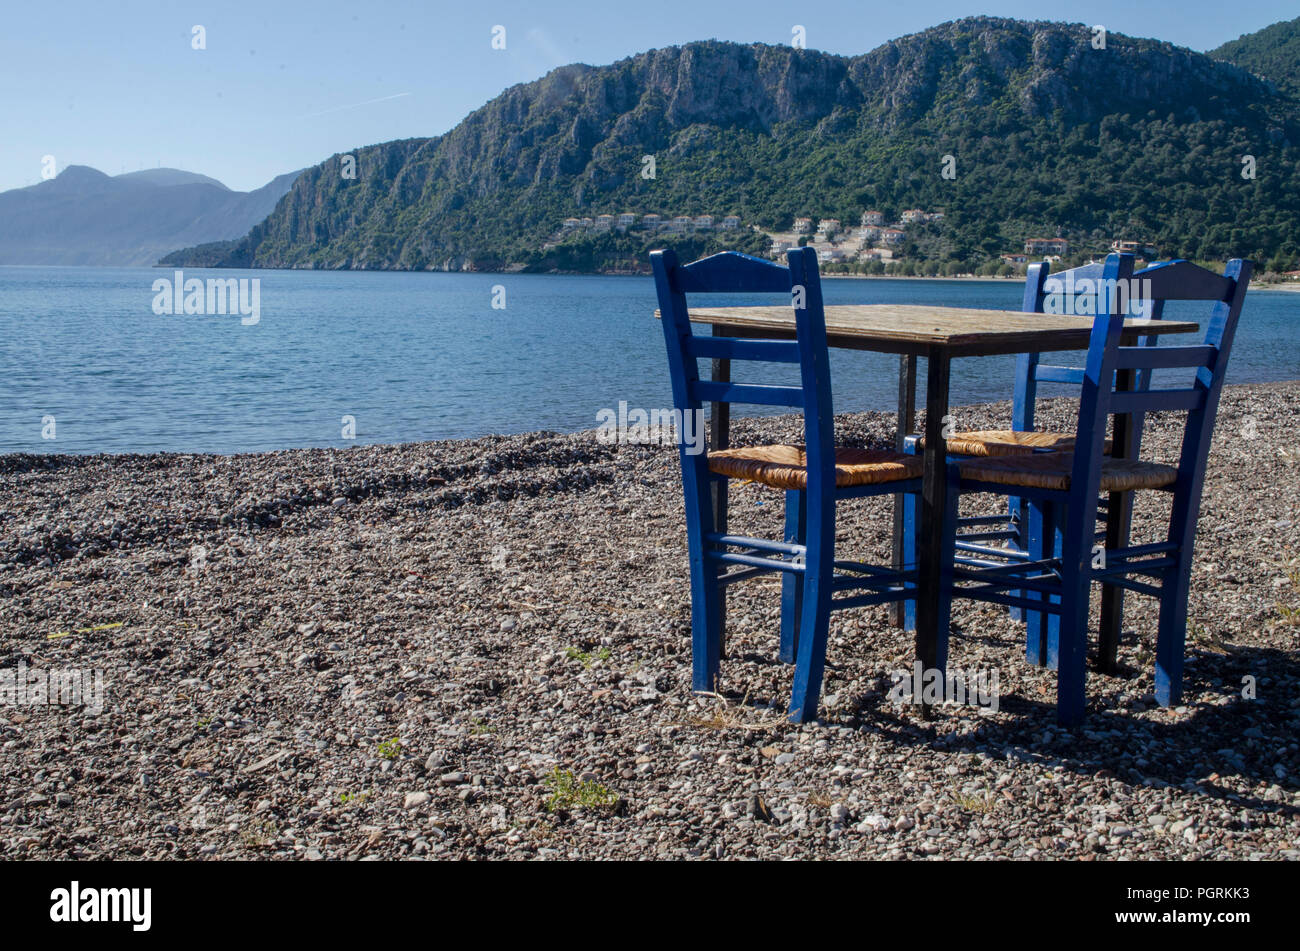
491, 438
1290, 286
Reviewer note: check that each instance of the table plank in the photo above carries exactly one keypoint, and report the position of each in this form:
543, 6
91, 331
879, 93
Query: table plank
916, 329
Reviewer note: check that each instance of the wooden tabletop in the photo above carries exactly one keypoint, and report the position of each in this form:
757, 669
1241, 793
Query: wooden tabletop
922, 329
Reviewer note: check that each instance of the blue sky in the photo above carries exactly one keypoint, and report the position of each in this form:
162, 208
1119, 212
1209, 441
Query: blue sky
283, 84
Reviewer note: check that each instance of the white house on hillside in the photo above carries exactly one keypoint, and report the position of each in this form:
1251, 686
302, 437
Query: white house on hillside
1047, 246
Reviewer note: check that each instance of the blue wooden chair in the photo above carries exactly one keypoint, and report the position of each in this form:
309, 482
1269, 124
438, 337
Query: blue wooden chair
1012, 529
1030, 532
1064, 561
814, 476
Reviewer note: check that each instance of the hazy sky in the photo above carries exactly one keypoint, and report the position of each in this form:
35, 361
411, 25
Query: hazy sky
284, 84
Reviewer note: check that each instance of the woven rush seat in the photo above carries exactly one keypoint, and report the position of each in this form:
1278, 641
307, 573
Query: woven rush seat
785, 467
1052, 471
1004, 442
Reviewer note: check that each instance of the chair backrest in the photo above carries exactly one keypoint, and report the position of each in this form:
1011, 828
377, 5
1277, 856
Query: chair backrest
1073, 291
733, 273
1206, 363
1077, 291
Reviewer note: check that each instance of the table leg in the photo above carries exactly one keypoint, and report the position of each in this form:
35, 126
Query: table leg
1119, 519
906, 425
720, 438
934, 494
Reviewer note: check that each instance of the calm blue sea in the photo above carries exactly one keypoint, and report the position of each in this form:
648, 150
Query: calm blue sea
414, 357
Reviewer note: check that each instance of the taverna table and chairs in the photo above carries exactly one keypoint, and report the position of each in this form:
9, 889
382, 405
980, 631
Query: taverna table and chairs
1054, 485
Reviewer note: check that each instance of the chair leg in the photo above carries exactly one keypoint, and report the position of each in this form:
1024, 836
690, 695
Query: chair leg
1038, 543
1119, 518
1056, 532
813, 631
1042, 628
1072, 672
910, 506
814, 622
1016, 520
948, 554
1072, 667
706, 626
1171, 634
796, 517
706, 593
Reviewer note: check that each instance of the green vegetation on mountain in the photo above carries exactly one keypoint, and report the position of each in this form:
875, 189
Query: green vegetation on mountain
1273, 53
1050, 136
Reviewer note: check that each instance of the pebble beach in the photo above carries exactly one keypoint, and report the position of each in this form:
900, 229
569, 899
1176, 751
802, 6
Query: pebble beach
480, 649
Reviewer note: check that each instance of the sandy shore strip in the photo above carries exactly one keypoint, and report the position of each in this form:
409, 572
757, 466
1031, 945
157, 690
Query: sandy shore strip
481, 649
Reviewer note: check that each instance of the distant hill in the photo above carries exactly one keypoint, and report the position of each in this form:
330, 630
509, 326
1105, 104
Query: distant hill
83, 216
168, 176
1273, 53
1140, 140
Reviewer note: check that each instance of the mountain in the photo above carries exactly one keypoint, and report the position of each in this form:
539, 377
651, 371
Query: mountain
83, 216
1273, 53
169, 176
1139, 140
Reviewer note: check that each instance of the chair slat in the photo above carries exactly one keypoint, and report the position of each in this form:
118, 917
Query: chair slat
736, 348
1140, 551
731, 273
1157, 401
757, 561
760, 544
1183, 280
1158, 358
754, 394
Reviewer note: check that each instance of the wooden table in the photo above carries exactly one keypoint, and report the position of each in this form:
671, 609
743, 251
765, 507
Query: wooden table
938, 334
